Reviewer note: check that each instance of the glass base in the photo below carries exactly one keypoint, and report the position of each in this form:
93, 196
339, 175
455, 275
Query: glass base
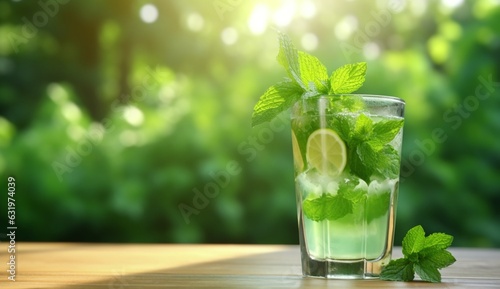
342, 269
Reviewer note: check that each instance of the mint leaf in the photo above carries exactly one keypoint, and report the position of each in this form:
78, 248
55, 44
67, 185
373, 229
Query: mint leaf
427, 267
414, 241
288, 57
377, 205
439, 259
355, 131
304, 69
375, 144
427, 272
338, 207
347, 103
363, 128
275, 100
398, 270
315, 209
369, 151
430, 261
437, 241
348, 190
368, 156
368, 160
387, 162
356, 164
344, 126
386, 130
348, 78
326, 207
313, 73
333, 207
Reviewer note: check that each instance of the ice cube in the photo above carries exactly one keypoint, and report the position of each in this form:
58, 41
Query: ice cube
381, 186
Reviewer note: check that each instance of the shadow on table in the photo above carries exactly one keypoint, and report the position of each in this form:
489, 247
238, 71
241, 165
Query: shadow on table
253, 271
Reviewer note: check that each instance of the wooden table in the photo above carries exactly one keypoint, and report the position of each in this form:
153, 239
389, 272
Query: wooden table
112, 266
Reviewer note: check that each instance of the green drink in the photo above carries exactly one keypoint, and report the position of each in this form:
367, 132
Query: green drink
347, 151
347, 158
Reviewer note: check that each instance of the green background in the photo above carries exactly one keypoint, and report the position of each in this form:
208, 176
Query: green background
113, 126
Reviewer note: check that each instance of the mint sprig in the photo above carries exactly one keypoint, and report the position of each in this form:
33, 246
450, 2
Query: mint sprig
368, 143
422, 255
307, 77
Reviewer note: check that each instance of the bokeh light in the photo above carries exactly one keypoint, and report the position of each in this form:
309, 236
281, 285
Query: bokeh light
149, 13
195, 22
257, 22
229, 35
309, 41
284, 15
164, 92
346, 27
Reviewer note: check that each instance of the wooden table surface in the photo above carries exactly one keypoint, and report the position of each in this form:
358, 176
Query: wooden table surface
112, 266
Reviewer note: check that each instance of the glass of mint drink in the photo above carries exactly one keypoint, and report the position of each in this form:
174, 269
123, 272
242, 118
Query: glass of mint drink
347, 154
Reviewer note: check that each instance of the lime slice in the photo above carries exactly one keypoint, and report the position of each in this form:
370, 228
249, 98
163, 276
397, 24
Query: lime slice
297, 156
326, 152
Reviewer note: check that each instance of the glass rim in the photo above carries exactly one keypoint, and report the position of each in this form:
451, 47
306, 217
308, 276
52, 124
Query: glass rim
367, 95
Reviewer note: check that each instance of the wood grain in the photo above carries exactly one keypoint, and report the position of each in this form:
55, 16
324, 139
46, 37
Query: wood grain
112, 266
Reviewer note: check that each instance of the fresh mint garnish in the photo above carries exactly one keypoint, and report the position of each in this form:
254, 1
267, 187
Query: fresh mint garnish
307, 77
422, 255
288, 57
313, 73
276, 99
348, 78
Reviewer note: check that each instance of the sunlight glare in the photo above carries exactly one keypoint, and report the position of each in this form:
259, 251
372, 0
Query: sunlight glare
71, 112
452, 3
149, 13
284, 15
418, 8
371, 50
346, 27
75, 132
195, 22
229, 36
308, 9
309, 41
133, 115
257, 22
166, 94
129, 138
57, 93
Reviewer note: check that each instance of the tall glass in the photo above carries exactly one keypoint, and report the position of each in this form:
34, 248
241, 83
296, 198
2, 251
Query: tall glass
347, 151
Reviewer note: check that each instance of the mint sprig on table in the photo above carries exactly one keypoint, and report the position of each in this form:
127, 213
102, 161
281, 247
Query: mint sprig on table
307, 77
422, 255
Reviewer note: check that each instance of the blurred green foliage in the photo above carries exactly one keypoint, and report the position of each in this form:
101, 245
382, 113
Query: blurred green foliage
112, 118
